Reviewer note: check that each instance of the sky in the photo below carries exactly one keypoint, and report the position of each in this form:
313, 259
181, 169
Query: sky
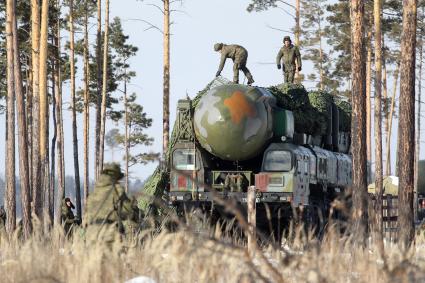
197, 25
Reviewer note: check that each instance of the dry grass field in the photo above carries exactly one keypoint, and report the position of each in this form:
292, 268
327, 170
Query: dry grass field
207, 255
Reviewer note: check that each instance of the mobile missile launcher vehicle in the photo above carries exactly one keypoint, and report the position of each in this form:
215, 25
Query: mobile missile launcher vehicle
233, 136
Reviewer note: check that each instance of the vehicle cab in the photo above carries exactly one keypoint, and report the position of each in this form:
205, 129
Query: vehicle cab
286, 173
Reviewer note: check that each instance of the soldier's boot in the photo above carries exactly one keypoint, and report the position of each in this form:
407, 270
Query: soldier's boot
248, 75
250, 79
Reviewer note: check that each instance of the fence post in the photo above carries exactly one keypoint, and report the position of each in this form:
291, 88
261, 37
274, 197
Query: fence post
252, 238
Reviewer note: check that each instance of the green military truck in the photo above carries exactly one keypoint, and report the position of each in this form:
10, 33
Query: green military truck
233, 136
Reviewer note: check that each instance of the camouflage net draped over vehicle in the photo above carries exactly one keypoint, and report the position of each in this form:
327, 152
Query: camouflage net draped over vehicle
311, 109
295, 97
344, 108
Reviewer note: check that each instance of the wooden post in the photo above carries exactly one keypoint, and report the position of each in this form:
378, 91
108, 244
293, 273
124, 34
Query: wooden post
251, 220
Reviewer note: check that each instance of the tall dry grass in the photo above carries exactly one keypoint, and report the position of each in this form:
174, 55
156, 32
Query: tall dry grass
198, 253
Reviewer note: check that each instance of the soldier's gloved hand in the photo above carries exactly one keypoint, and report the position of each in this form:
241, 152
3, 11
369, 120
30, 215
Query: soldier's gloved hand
299, 69
217, 74
279, 66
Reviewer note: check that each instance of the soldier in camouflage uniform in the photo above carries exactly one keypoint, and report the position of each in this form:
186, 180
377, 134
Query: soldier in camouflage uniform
68, 218
2, 221
239, 55
110, 213
288, 55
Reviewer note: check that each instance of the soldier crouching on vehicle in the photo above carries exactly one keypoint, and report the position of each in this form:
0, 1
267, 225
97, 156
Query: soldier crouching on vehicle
110, 213
239, 55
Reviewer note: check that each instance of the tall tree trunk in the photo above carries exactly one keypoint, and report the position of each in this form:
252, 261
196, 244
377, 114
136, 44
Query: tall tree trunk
378, 124
74, 114
384, 92
104, 89
321, 54
86, 105
10, 125
35, 55
99, 87
54, 139
59, 122
418, 121
297, 32
406, 129
126, 133
390, 118
28, 92
368, 96
22, 130
166, 81
358, 125
44, 122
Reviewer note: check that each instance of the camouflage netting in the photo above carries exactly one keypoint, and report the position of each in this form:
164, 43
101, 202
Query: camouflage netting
295, 97
322, 101
290, 96
344, 108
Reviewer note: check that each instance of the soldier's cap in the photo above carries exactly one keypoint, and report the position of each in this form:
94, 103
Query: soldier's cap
113, 170
69, 200
287, 38
218, 46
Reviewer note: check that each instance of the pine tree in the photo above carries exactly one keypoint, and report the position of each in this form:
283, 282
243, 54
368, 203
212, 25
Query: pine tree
313, 42
111, 141
98, 86
74, 111
10, 124
368, 97
406, 129
44, 111
166, 81
378, 123
59, 117
104, 89
22, 129
35, 57
124, 52
338, 33
358, 125
87, 11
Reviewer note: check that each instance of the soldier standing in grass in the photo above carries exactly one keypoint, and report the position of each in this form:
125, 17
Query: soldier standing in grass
2, 220
67, 215
239, 55
110, 213
289, 58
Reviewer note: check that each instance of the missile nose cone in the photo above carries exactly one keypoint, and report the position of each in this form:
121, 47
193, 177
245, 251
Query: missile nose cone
232, 121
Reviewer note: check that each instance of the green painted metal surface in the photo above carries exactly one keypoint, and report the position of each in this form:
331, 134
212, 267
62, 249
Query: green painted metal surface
233, 122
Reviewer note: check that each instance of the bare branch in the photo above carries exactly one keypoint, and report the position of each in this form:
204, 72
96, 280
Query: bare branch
271, 27
175, 1
150, 25
286, 12
286, 3
179, 11
156, 6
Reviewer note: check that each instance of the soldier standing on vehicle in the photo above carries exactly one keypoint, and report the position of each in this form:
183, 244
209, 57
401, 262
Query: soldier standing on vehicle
288, 55
110, 213
239, 55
